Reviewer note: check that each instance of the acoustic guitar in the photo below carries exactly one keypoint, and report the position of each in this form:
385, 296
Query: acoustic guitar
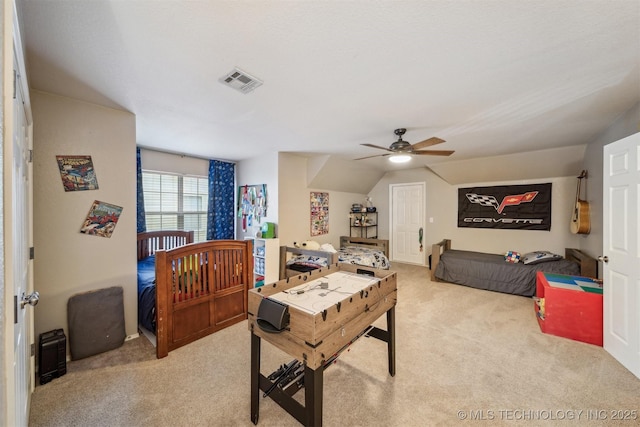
580, 221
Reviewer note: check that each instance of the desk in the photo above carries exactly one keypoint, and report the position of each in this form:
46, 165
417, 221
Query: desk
569, 306
316, 336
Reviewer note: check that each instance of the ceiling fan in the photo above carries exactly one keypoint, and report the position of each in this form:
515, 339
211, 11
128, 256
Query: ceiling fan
401, 151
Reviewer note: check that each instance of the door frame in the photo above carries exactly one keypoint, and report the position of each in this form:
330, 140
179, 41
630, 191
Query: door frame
423, 186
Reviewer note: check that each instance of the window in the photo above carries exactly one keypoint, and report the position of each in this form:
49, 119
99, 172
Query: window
176, 202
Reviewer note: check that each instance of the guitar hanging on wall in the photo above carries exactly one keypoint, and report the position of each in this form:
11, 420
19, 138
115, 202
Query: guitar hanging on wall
580, 221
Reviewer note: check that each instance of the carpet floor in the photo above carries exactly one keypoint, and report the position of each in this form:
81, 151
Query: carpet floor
464, 356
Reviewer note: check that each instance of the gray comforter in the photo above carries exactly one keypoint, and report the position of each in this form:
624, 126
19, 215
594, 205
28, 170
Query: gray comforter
493, 273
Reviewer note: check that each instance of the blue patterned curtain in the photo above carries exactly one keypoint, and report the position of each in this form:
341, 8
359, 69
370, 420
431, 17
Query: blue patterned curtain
220, 217
142, 221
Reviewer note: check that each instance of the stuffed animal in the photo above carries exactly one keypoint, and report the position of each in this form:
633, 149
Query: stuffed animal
308, 244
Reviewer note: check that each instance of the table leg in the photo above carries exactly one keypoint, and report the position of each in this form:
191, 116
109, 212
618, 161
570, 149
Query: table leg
313, 395
255, 378
391, 342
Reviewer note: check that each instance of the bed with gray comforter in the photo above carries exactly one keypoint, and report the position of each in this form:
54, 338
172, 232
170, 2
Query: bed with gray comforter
493, 273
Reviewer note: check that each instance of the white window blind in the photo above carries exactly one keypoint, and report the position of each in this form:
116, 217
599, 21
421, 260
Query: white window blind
176, 202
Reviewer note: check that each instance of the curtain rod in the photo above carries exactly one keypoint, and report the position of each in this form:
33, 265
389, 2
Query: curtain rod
183, 154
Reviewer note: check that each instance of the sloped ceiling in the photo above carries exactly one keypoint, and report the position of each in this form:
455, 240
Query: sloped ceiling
334, 173
554, 162
491, 77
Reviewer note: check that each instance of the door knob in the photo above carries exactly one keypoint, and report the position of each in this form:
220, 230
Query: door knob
603, 258
31, 299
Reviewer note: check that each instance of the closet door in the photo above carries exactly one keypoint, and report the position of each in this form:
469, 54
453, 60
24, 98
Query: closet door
407, 221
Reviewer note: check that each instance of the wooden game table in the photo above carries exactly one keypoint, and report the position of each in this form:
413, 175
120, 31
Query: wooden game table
323, 312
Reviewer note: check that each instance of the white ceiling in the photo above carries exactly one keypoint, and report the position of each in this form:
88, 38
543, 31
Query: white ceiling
490, 77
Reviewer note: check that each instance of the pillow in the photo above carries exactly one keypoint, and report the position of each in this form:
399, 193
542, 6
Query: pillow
328, 247
512, 257
537, 257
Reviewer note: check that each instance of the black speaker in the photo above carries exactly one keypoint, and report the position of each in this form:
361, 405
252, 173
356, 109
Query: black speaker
52, 348
273, 316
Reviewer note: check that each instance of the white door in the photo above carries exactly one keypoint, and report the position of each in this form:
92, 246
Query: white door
17, 240
20, 242
621, 274
407, 222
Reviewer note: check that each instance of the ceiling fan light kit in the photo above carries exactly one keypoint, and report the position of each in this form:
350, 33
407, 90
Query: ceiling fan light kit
401, 151
399, 158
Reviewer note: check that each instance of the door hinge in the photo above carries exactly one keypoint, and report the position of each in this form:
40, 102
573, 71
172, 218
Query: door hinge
14, 83
33, 349
15, 309
30, 160
32, 252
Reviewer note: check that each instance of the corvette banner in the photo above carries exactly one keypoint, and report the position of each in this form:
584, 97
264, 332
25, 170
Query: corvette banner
521, 207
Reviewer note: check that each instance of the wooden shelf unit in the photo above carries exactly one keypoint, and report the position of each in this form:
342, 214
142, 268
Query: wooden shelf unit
363, 224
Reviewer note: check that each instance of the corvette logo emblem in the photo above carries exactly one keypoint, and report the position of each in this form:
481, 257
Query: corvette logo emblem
513, 200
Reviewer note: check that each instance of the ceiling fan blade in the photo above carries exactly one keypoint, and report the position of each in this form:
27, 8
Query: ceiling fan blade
376, 146
434, 152
369, 157
427, 143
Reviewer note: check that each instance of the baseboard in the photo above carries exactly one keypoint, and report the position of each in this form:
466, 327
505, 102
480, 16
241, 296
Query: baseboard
132, 337
149, 335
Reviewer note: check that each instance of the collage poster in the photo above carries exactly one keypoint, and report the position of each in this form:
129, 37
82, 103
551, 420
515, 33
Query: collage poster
319, 213
252, 204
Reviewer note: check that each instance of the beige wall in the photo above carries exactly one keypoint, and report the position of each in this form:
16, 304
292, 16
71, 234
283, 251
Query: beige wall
68, 262
442, 203
294, 204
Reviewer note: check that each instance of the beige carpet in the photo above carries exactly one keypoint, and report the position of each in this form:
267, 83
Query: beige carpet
461, 353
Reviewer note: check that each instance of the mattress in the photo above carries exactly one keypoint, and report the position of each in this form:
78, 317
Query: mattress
491, 272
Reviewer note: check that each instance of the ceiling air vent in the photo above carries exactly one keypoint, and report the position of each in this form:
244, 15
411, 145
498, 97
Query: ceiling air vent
241, 81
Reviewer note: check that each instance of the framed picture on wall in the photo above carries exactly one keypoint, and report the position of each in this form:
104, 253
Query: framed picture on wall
77, 173
319, 213
102, 219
